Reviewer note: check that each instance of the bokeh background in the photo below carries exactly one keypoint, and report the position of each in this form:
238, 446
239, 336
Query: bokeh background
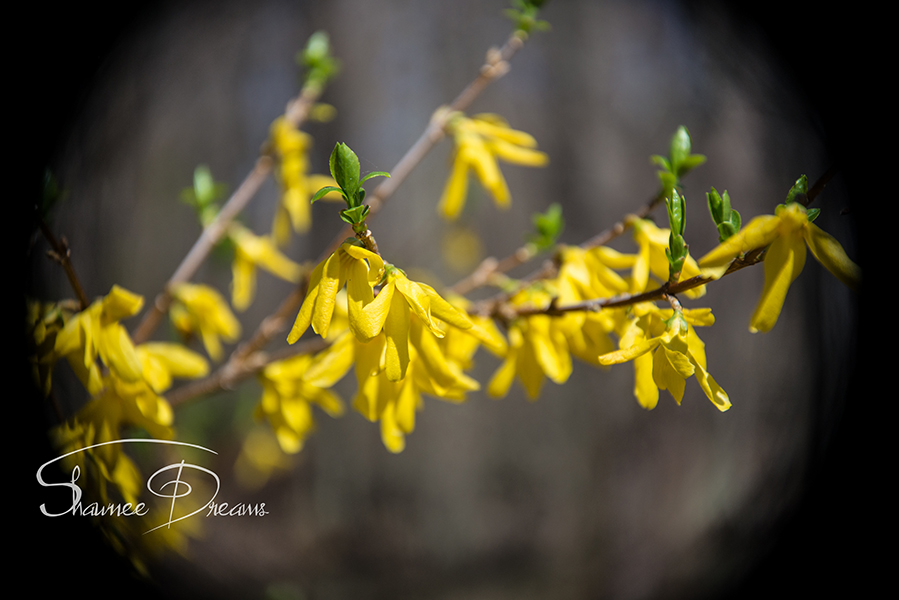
582, 494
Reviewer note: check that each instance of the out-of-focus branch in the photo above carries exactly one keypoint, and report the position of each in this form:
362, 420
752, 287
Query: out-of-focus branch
248, 358
296, 113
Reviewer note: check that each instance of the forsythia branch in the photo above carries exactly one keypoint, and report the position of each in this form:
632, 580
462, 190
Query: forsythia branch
296, 112
244, 361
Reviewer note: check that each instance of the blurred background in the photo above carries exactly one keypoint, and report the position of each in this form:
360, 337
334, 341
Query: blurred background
581, 494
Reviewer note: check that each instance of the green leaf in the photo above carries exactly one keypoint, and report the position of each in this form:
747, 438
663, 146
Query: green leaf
317, 59
680, 148
324, 192
344, 166
548, 227
354, 215
677, 209
689, 163
735, 219
716, 206
800, 187
812, 214
661, 161
374, 174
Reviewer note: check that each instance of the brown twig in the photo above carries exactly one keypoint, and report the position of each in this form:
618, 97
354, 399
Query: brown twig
248, 357
62, 254
296, 113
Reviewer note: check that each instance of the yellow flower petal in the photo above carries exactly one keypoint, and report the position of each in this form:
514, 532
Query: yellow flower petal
783, 263
396, 327
453, 198
760, 232
828, 251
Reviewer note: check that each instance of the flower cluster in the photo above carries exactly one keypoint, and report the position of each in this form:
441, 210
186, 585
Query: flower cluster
198, 309
479, 142
666, 351
125, 382
252, 252
785, 235
297, 184
404, 340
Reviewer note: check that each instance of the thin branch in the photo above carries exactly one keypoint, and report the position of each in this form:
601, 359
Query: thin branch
62, 254
490, 267
233, 372
495, 306
296, 113
248, 357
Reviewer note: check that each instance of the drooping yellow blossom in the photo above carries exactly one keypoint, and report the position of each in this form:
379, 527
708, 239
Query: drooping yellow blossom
391, 312
786, 233
590, 273
394, 403
360, 269
287, 399
198, 308
162, 361
479, 142
436, 367
538, 348
666, 351
254, 251
298, 185
651, 258
96, 333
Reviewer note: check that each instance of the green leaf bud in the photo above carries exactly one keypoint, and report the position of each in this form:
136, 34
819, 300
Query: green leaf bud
344, 165
800, 187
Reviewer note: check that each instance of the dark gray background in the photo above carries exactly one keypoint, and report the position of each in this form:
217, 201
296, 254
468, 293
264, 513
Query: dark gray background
582, 494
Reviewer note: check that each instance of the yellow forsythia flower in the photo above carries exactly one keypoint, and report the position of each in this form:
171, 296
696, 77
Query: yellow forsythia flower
653, 241
292, 147
666, 351
161, 361
538, 348
287, 399
96, 332
479, 142
787, 233
391, 310
254, 251
201, 309
360, 269
394, 402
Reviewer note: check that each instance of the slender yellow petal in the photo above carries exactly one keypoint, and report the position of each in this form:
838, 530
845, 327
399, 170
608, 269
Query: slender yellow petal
304, 316
760, 232
331, 364
331, 282
391, 435
645, 389
453, 198
396, 327
493, 126
828, 251
406, 405
629, 353
665, 376
517, 154
530, 372
120, 304
783, 263
502, 380
243, 284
